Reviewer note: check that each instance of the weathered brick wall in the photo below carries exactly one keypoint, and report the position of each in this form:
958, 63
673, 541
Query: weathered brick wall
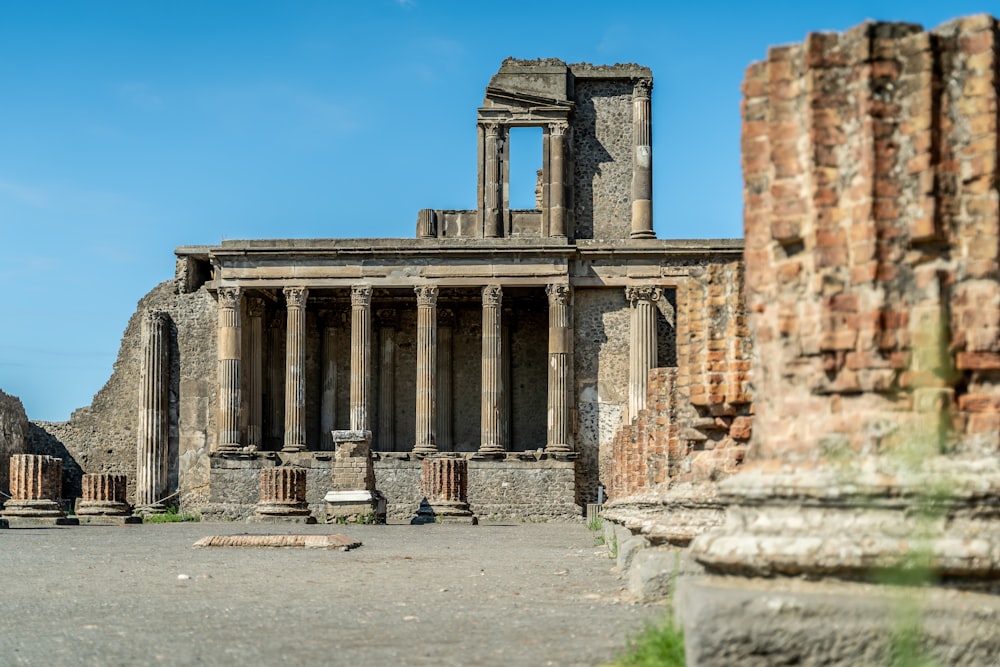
13, 436
873, 240
698, 417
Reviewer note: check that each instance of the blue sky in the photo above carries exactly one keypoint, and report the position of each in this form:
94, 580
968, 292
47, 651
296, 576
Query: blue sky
130, 128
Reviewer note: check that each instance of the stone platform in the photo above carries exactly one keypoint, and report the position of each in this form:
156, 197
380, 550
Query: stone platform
833, 623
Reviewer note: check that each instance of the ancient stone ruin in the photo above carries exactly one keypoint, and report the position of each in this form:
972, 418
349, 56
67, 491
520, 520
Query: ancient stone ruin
518, 340
776, 430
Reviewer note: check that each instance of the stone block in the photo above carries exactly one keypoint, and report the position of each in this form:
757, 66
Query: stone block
765, 622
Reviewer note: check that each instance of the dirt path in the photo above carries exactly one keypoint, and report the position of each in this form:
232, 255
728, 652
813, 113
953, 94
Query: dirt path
524, 594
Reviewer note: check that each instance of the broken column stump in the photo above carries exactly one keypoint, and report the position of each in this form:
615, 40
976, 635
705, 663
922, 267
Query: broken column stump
871, 214
103, 500
35, 486
353, 497
282, 497
445, 482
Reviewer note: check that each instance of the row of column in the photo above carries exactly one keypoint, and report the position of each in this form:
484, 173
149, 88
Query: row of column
494, 380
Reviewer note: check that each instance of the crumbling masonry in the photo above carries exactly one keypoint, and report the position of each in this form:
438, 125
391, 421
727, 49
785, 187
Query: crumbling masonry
518, 340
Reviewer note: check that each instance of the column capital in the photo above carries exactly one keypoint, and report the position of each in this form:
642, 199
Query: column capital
492, 295
642, 293
426, 295
559, 128
642, 88
492, 129
296, 296
361, 295
229, 297
155, 317
559, 293
255, 307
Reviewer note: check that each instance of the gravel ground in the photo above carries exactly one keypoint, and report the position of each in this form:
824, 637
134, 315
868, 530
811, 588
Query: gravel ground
523, 594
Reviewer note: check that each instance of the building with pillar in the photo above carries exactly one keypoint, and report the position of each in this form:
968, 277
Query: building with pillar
517, 338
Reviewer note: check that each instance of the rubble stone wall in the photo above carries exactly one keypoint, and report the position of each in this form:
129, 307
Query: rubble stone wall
602, 155
513, 488
100, 438
13, 435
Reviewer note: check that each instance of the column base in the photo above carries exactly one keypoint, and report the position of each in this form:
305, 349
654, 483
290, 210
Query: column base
102, 508
854, 522
281, 518
292, 449
27, 521
47, 509
425, 449
229, 448
109, 520
444, 512
560, 448
490, 451
643, 234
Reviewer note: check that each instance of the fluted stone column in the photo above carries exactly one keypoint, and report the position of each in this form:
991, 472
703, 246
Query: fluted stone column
229, 354
445, 432
104, 496
557, 190
328, 402
386, 433
492, 384
642, 344
507, 315
361, 354
153, 429
274, 437
255, 403
560, 362
445, 481
642, 161
426, 413
295, 370
35, 487
283, 496
492, 186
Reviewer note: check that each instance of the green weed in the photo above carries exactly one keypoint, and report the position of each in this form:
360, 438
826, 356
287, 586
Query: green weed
655, 646
172, 515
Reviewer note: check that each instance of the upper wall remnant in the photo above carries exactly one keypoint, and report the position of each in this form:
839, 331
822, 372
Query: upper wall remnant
596, 178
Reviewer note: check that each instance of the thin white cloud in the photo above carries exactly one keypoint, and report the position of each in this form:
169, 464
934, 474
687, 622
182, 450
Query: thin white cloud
305, 107
25, 194
141, 96
616, 38
406, 4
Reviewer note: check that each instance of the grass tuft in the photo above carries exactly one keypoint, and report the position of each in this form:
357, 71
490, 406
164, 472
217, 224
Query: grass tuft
655, 646
172, 515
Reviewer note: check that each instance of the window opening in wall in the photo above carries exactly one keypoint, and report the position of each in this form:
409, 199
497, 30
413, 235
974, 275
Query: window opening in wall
525, 146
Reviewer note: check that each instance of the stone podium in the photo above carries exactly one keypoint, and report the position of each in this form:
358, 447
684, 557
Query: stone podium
353, 497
